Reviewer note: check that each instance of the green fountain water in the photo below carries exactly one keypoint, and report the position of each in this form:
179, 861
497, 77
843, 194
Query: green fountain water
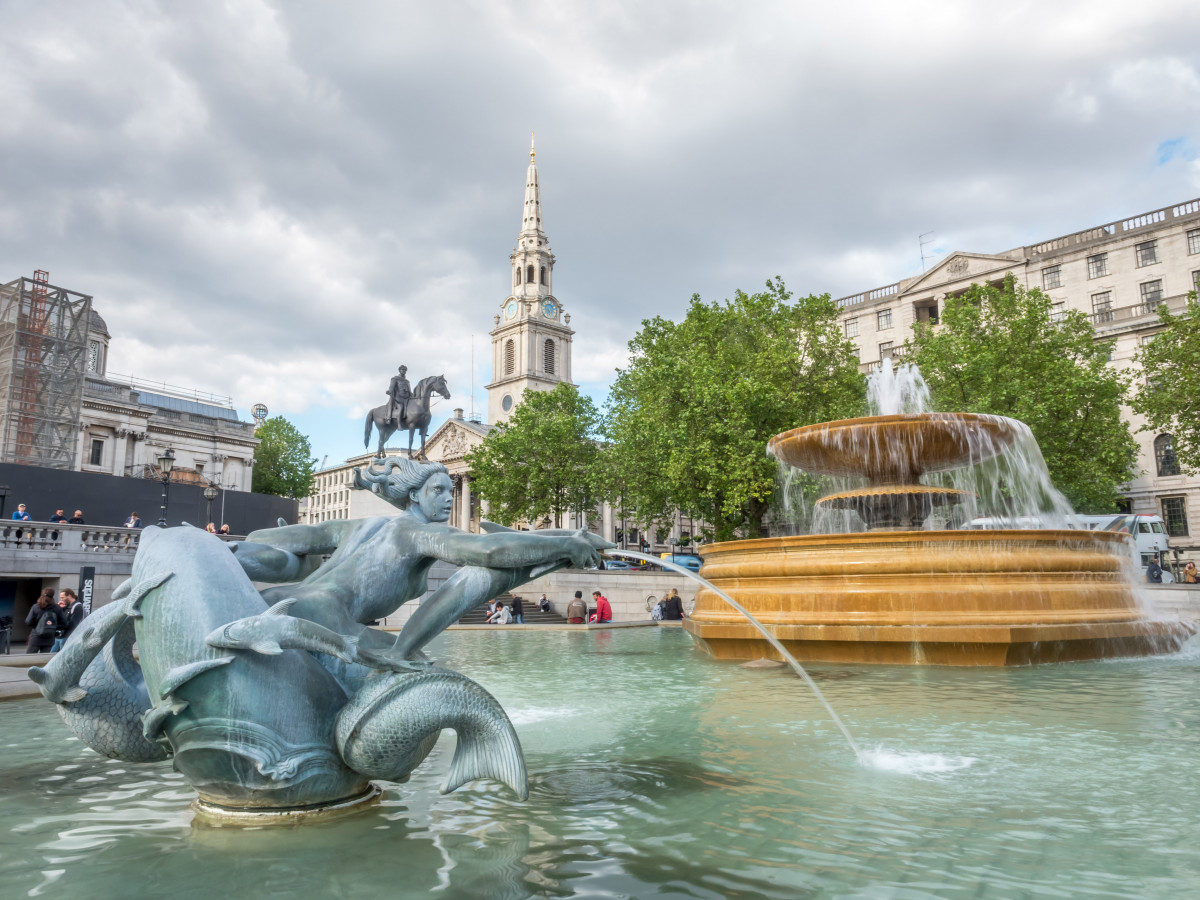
655, 772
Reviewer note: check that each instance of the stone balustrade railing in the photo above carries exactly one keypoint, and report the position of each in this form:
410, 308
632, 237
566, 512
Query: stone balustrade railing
68, 538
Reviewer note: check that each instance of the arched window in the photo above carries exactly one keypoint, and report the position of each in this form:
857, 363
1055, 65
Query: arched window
544, 275
548, 357
517, 277
1164, 455
510, 356
529, 274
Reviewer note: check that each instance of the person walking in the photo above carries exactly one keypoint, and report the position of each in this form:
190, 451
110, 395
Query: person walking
577, 609
603, 609
672, 607
43, 621
74, 613
1154, 572
518, 611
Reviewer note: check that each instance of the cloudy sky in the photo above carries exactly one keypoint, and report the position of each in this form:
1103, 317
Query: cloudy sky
281, 202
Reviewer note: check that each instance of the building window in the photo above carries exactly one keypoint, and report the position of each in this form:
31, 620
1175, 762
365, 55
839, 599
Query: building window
1058, 311
544, 275
1152, 292
857, 354
517, 277
1102, 303
1196, 281
529, 274
510, 356
1051, 277
1164, 455
883, 319
1098, 265
1147, 253
97, 455
885, 350
548, 357
506, 403
1174, 513
852, 327
1193, 237
93, 356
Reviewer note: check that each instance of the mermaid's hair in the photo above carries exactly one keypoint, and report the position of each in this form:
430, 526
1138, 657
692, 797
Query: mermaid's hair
393, 478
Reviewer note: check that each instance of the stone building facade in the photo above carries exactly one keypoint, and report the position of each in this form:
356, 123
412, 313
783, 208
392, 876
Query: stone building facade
1117, 273
127, 423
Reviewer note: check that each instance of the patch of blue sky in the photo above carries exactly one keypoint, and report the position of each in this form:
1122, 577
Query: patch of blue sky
1175, 148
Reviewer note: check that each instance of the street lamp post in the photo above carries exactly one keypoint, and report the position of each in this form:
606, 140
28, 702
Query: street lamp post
210, 494
165, 463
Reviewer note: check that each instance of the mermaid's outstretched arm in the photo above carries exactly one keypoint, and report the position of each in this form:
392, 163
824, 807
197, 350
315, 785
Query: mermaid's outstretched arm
492, 564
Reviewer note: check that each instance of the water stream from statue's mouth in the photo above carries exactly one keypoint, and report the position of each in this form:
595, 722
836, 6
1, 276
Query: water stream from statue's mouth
770, 638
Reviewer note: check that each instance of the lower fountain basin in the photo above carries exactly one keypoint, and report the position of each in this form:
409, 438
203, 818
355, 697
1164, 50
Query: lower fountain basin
974, 598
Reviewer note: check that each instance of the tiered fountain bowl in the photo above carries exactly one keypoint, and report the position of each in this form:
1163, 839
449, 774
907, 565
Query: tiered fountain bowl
899, 594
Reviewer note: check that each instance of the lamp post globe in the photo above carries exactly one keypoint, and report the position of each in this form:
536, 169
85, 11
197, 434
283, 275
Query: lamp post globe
210, 494
165, 463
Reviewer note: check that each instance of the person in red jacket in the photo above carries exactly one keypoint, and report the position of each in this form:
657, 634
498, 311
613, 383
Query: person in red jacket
603, 610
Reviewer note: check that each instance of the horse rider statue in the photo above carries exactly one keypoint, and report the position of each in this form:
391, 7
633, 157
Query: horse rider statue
399, 392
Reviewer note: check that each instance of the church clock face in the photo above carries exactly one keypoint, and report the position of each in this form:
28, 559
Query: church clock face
510, 311
549, 309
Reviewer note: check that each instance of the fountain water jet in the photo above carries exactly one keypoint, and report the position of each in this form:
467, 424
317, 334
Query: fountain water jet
902, 592
767, 636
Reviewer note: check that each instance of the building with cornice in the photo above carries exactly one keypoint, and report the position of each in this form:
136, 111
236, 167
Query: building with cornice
1118, 274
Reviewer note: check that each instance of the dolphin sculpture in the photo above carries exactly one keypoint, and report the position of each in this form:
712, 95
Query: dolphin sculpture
260, 709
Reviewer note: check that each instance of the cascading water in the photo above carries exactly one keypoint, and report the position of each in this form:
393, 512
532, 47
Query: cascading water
998, 480
926, 538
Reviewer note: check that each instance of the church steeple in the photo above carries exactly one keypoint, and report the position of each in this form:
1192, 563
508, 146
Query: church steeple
531, 343
531, 223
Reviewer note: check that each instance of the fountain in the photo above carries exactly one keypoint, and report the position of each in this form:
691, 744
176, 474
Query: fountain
876, 584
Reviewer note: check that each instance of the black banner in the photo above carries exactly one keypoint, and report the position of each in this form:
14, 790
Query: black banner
87, 585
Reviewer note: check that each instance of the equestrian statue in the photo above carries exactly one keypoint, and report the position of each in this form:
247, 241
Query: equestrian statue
407, 408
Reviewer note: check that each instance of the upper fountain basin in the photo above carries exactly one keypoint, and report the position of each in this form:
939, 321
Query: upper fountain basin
894, 449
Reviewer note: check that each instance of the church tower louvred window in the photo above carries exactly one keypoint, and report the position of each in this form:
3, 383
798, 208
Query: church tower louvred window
510, 354
548, 357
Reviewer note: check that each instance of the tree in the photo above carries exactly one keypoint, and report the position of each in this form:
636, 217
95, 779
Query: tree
1003, 350
543, 461
283, 464
690, 417
1169, 397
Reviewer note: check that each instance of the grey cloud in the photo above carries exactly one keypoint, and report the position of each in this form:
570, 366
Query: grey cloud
335, 188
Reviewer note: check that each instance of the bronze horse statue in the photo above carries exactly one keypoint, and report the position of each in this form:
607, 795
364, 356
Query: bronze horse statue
416, 413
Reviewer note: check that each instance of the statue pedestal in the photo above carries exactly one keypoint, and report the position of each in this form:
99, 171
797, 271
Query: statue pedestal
208, 813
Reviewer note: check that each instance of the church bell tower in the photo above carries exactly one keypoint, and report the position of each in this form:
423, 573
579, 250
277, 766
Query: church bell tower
531, 341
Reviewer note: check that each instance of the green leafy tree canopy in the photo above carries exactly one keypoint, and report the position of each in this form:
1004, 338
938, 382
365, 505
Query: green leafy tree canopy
543, 461
283, 462
690, 416
1003, 350
1169, 397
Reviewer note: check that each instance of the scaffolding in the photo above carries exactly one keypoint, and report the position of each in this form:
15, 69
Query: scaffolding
43, 358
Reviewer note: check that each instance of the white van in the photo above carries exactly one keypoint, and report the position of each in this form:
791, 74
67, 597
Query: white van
1148, 532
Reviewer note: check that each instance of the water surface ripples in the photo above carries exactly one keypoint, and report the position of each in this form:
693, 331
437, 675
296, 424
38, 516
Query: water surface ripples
655, 771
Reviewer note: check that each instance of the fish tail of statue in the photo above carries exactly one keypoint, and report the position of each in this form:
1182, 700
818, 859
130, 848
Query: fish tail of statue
391, 726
